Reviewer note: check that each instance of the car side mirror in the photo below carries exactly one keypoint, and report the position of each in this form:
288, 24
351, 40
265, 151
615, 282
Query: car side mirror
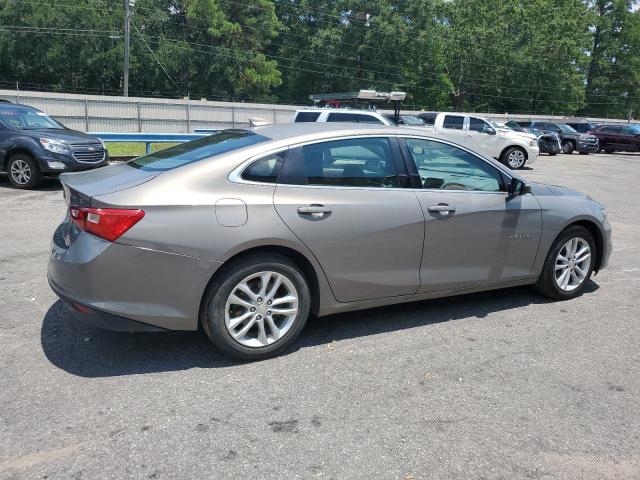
518, 187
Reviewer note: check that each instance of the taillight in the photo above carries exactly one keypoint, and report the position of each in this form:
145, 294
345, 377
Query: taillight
107, 223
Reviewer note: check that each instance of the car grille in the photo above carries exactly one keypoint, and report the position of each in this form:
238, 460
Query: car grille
87, 152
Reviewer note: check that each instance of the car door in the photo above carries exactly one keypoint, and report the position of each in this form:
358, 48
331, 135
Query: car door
629, 139
481, 137
342, 199
475, 233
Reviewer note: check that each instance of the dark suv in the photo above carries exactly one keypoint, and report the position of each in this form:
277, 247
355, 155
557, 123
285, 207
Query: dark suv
625, 138
33, 145
570, 139
582, 127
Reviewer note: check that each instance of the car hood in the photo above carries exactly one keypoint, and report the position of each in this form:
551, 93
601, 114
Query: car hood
555, 190
102, 181
507, 132
64, 135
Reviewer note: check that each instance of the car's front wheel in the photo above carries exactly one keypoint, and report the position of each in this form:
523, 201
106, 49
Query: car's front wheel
257, 307
568, 147
569, 264
23, 172
514, 158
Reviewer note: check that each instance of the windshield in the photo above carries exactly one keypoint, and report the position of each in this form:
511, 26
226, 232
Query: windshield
412, 120
24, 119
190, 152
566, 128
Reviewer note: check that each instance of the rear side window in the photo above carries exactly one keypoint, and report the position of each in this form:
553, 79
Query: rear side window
265, 170
307, 117
357, 162
453, 121
200, 149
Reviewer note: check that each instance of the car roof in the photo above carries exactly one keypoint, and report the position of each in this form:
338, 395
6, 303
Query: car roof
280, 131
16, 106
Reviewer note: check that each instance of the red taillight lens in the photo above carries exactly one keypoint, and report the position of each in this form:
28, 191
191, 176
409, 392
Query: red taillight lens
107, 223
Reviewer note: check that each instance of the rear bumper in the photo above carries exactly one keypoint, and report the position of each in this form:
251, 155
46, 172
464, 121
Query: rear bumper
100, 319
116, 283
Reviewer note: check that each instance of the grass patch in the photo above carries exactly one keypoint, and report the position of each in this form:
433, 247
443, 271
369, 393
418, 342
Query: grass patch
133, 149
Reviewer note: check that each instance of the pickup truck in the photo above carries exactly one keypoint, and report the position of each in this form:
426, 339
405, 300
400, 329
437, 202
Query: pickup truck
481, 135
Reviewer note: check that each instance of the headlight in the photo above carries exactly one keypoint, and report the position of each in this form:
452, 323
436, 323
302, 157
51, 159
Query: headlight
104, 147
585, 138
533, 143
55, 146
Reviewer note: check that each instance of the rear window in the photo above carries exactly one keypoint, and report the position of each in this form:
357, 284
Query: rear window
307, 117
190, 152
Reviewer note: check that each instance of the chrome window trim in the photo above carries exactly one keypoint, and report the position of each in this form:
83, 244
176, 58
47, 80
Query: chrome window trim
236, 174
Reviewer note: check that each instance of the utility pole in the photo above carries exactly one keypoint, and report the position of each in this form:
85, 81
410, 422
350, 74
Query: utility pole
128, 4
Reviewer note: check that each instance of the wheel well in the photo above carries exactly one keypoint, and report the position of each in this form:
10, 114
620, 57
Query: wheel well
597, 236
514, 146
12, 153
296, 257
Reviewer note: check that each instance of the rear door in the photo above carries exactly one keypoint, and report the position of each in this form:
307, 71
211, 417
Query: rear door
453, 128
475, 233
342, 199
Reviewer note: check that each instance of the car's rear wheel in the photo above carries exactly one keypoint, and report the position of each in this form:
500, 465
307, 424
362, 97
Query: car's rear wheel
23, 172
569, 264
257, 307
514, 158
568, 147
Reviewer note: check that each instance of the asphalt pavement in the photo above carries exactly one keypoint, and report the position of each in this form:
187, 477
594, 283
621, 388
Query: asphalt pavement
500, 385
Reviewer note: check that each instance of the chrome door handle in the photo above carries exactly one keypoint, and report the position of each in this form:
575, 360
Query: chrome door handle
314, 209
443, 209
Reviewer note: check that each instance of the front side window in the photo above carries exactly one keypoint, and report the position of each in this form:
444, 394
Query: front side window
445, 167
195, 150
265, 170
342, 117
454, 122
358, 162
478, 125
566, 128
368, 119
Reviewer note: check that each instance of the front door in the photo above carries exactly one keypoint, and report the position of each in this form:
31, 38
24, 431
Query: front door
475, 233
482, 138
342, 199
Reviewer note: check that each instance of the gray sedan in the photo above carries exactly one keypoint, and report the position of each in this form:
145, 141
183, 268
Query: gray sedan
248, 232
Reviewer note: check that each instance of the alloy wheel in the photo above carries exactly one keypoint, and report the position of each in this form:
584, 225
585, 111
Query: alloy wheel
516, 159
261, 309
20, 172
572, 264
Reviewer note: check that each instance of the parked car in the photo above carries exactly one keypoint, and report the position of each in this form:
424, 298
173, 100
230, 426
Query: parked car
267, 225
570, 139
332, 115
512, 148
582, 126
624, 138
547, 142
33, 145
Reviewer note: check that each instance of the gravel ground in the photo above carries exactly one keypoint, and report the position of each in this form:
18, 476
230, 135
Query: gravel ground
496, 385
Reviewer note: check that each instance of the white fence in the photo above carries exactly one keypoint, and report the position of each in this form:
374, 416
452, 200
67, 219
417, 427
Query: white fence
101, 113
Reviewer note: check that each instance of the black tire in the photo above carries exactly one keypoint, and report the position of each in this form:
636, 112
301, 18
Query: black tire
504, 158
568, 147
552, 154
18, 181
546, 284
213, 314
608, 150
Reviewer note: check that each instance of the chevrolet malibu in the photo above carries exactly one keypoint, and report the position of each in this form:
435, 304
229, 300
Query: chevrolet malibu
248, 232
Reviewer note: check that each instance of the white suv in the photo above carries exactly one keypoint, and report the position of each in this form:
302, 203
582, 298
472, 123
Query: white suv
336, 115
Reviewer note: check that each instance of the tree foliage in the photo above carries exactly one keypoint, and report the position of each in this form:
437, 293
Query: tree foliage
538, 56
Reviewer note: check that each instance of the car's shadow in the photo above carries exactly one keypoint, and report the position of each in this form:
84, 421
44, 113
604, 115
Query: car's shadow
49, 184
89, 352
